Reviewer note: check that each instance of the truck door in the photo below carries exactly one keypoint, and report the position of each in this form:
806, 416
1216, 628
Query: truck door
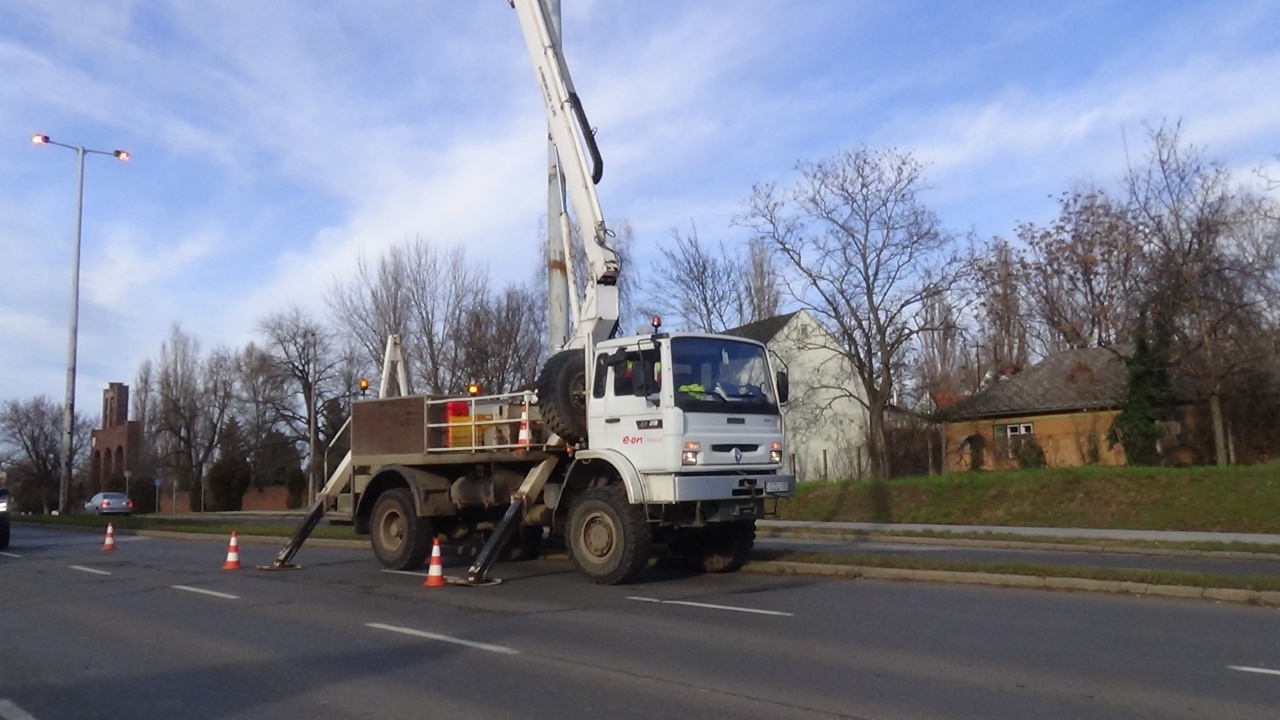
626, 392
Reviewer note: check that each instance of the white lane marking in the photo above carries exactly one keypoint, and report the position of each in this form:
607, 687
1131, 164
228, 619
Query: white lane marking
711, 606
95, 571
1260, 671
9, 554
9, 711
445, 638
202, 591
405, 572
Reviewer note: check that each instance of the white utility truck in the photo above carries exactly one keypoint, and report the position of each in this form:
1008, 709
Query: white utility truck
666, 437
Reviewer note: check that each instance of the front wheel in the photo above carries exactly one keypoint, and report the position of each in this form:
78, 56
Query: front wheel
717, 548
4, 536
608, 537
400, 538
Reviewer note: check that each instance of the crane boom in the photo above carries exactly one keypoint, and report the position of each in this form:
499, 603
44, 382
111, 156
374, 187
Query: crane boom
597, 317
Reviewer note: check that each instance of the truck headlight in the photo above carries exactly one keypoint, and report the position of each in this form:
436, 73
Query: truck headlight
689, 456
775, 453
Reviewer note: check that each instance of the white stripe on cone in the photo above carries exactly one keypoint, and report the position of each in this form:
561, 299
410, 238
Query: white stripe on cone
435, 575
233, 554
523, 439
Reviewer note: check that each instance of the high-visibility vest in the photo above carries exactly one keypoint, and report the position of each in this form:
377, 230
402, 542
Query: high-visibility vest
694, 389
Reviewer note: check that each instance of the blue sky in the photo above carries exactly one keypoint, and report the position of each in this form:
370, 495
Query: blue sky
274, 141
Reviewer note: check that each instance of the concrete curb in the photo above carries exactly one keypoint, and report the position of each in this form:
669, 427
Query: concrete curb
1253, 597
1017, 545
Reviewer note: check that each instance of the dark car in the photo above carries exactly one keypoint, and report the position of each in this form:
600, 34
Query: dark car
6, 500
109, 504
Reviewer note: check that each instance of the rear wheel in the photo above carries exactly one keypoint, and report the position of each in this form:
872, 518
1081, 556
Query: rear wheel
400, 538
4, 535
608, 537
562, 395
716, 548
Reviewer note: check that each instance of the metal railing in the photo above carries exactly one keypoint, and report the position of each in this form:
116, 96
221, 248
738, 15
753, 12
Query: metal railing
487, 424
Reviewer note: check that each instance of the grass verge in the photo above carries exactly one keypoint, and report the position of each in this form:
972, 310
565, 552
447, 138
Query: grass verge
1150, 577
197, 527
1226, 499
1086, 543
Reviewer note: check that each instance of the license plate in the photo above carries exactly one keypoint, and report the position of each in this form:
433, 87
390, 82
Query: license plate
777, 486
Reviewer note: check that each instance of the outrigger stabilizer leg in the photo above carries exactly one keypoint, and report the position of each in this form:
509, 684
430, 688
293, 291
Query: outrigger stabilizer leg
478, 574
285, 556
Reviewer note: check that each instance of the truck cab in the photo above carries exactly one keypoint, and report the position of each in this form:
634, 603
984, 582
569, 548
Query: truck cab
696, 415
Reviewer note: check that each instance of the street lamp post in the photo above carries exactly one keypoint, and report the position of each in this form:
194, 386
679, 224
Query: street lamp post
68, 410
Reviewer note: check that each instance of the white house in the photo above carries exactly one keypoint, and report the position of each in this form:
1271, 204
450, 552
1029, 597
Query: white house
825, 422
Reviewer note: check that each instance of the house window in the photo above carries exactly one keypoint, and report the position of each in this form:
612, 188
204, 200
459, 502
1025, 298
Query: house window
1009, 438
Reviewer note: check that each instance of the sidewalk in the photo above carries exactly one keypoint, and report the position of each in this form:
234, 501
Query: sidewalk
1149, 535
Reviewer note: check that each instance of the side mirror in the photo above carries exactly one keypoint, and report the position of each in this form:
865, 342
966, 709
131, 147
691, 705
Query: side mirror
784, 388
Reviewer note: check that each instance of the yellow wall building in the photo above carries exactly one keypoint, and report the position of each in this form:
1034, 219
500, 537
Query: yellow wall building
1063, 405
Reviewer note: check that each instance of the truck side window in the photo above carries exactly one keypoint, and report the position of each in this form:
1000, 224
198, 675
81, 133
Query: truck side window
597, 387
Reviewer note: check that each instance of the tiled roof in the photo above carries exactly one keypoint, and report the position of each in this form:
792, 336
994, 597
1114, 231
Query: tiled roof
1084, 379
762, 330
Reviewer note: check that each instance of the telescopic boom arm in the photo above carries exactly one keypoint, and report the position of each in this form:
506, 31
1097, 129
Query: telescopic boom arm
597, 318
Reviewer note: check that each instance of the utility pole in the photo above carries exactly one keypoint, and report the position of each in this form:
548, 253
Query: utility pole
557, 273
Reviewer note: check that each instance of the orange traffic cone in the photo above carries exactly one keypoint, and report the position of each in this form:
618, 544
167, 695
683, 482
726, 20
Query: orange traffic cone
109, 544
233, 554
523, 439
435, 575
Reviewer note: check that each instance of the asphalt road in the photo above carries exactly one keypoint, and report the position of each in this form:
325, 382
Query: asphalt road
1209, 565
158, 630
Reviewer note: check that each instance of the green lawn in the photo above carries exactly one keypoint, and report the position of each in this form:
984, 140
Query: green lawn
1230, 499
1260, 583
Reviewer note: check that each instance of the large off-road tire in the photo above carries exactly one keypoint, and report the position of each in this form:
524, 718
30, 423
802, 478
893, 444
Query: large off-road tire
609, 538
562, 395
716, 548
400, 538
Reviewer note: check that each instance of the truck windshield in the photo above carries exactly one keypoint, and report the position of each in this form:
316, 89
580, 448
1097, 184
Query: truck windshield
721, 375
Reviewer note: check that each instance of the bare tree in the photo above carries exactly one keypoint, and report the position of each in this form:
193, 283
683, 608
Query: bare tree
193, 399
1214, 284
144, 402
944, 366
703, 286
865, 256
762, 285
711, 288
1002, 338
31, 437
262, 395
444, 285
375, 302
502, 340
301, 349
1083, 273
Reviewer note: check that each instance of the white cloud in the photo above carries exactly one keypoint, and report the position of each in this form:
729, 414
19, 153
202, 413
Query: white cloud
274, 142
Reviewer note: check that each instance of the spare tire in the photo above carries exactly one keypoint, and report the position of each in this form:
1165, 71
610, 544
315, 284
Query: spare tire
562, 395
